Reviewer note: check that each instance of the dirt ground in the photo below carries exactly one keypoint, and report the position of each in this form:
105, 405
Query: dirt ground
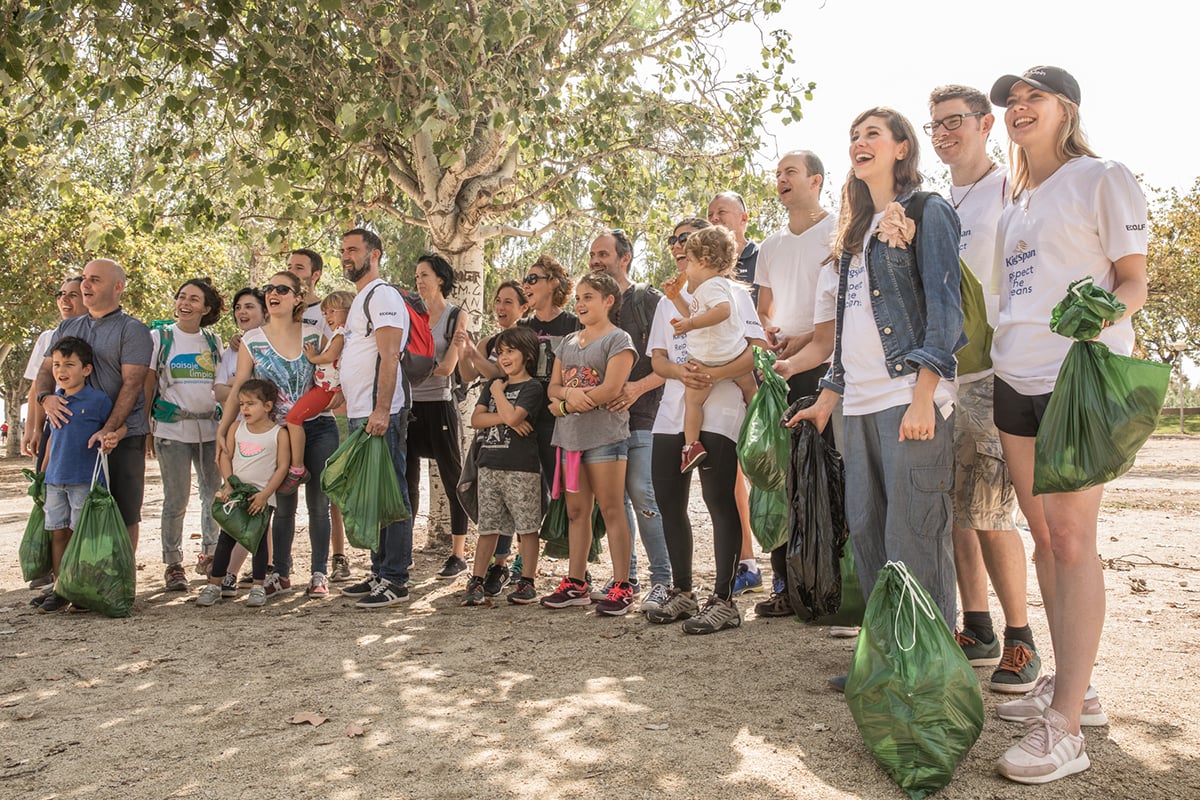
430, 700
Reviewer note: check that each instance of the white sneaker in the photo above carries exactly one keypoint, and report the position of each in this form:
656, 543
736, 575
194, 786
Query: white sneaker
257, 597
1048, 752
654, 598
1035, 702
209, 595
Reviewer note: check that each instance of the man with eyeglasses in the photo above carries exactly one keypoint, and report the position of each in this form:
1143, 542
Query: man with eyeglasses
612, 252
789, 265
123, 350
986, 542
728, 209
69, 299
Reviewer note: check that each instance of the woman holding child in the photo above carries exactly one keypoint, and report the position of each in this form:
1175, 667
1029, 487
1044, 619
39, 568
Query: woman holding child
275, 352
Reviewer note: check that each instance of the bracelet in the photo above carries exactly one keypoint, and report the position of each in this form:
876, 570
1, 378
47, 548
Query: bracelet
562, 406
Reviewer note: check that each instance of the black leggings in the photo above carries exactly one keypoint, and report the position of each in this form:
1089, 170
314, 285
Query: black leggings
258, 561
718, 474
433, 432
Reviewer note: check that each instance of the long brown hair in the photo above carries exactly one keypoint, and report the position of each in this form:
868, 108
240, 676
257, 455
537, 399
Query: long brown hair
858, 209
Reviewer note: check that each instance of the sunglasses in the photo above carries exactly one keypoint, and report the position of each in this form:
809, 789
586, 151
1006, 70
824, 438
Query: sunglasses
532, 278
282, 289
950, 123
678, 238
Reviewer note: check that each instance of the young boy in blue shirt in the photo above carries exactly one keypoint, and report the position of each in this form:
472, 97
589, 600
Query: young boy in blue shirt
70, 461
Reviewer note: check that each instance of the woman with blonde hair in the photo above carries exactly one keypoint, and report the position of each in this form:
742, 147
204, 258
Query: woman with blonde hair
1072, 215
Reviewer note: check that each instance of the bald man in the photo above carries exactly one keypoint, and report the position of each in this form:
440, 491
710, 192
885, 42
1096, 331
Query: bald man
123, 349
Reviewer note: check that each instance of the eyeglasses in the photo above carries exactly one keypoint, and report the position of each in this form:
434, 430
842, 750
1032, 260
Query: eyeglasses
950, 123
532, 278
282, 289
678, 238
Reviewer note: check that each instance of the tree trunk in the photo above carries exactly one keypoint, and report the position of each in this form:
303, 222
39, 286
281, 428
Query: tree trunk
468, 293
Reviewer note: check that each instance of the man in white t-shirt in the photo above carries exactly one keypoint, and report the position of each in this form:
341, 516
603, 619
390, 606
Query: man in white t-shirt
789, 267
986, 542
373, 385
325, 528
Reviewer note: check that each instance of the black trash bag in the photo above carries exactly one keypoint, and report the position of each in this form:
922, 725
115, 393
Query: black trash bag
816, 488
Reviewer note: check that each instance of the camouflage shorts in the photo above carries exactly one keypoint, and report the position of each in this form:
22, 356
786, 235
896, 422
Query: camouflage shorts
984, 498
509, 502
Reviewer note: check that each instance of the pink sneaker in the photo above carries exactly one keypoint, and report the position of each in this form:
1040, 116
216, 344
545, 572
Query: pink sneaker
1034, 704
618, 601
569, 593
1048, 752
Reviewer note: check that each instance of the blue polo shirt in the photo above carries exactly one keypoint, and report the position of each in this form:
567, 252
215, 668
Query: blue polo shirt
70, 460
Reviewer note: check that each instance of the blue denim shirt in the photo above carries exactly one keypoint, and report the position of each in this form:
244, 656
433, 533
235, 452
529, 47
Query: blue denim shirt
915, 298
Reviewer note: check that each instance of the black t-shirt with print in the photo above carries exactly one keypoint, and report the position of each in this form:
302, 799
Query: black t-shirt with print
500, 447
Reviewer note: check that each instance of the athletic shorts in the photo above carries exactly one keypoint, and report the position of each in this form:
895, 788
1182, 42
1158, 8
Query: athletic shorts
984, 498
509, 502
1016, 413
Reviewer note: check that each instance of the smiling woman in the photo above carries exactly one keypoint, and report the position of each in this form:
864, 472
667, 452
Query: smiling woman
183, 420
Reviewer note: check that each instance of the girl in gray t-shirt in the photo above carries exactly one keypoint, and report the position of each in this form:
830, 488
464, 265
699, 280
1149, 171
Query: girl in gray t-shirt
590, 369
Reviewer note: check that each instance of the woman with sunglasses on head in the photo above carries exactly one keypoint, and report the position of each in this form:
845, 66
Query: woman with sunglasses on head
275, 352
719, 473
899, 322
1072, 216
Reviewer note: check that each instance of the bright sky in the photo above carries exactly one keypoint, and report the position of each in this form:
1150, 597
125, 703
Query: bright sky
1136, 64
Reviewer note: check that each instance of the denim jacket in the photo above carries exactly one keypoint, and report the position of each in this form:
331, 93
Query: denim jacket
915, 298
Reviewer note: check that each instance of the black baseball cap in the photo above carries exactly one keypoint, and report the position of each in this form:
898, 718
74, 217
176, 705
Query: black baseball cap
1050, 79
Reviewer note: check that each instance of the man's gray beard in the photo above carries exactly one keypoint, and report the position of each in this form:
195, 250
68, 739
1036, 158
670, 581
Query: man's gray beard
353, 274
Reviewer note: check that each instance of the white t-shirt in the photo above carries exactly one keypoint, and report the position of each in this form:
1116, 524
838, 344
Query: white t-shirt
188, 383
979, 213
725, 407
313, 318
827, 288
1087, 215
360, 353
788, 265
717, 344
227, 367
39, 354
870, 388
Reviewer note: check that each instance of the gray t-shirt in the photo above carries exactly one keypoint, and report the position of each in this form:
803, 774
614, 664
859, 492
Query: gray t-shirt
585, 368
116, 339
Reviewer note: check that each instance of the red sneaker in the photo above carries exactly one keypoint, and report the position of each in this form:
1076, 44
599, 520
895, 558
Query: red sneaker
693, 454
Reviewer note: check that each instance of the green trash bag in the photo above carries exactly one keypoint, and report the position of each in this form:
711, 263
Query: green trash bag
763, 443
555, 527
850, 612
768, 518
97, 569
913, 695
34, 552
1103, 408
234, 517
1082, 313
360, 480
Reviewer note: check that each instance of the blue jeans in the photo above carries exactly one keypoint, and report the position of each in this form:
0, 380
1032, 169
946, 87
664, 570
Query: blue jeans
639, 496
898, 503
390, 561
176, 461
321, 439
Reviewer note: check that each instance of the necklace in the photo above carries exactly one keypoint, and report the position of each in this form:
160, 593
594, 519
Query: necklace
991, 166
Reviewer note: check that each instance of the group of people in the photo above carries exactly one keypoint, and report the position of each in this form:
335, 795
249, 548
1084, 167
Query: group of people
612, 408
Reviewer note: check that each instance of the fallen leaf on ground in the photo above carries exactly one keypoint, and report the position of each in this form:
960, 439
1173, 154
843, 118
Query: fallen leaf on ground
656, 726
354, 729
820, 726
310, 717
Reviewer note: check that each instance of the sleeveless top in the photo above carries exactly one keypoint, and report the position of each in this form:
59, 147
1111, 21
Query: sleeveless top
293, 377
254, 458
437, 387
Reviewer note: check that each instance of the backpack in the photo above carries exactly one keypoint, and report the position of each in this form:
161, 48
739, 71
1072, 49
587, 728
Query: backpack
166, 338
458, 386
645, 304
417, 359
976, 354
